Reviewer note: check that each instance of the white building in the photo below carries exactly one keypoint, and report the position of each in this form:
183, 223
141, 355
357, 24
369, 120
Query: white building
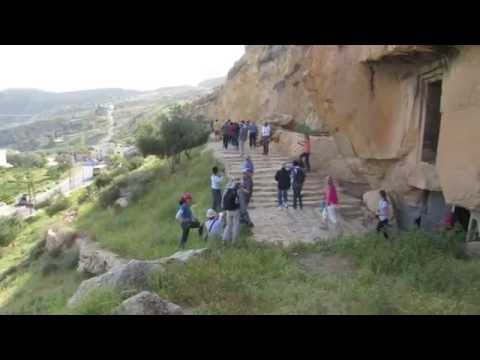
3, 159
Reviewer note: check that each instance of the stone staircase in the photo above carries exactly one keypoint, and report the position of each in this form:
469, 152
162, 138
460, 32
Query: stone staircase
286, 226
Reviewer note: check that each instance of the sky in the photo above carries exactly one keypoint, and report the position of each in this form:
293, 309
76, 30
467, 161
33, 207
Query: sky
62, 68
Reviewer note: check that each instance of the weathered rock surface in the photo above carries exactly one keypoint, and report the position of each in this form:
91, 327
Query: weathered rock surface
59, 239
147, 303
122, 202
472, 248
94, 260
371, 99
128, 279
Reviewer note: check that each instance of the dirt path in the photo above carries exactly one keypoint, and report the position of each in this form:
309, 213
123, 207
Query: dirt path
287, 226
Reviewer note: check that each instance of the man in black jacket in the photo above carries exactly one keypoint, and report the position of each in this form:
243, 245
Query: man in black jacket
282, 177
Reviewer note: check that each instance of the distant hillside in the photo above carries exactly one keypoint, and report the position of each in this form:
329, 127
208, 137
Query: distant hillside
212, 83
31, 101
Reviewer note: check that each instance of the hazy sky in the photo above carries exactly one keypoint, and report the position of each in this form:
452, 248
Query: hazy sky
138, 67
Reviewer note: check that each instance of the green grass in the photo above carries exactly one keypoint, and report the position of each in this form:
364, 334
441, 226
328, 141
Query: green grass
147, 228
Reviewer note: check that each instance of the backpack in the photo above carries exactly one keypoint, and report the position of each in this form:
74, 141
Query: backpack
230, 200
299, 176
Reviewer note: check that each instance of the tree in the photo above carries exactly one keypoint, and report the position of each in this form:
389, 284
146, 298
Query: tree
171, 134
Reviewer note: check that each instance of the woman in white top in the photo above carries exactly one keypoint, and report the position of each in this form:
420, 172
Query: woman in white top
383, 212
266, 132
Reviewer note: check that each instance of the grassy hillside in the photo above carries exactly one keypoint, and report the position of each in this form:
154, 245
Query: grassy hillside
415, 273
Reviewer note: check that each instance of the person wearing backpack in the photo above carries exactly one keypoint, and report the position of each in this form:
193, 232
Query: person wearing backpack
282, 177
297, 184
213, 226
231, 204
187, 219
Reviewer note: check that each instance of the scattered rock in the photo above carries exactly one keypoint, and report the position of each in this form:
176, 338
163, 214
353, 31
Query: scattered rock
122, 202
472, 248
59, 239
183, 256
96, 261
147, 303
128, 279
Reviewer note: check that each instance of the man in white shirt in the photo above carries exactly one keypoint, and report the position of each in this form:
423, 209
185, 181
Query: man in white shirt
216, 184
266, 132
213, 227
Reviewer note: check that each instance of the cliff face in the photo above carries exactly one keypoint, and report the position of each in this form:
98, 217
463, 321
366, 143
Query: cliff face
374, 101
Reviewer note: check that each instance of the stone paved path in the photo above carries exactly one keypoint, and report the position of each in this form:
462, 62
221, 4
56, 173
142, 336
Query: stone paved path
287, 226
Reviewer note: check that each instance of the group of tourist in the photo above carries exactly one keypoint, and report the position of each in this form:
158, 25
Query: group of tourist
230, 207
236, 135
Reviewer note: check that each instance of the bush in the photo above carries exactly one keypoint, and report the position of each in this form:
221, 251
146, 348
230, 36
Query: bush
109, 195
26, 160
58, 204
83, 196
9, 229
103, 179
135, 162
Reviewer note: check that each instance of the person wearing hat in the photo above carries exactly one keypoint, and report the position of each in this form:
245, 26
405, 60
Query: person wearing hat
187, 219
213, 226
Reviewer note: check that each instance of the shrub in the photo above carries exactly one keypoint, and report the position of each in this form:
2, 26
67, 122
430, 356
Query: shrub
58, 204
83, 196
9, 229
109, 195
135, 162
103, 179
28, 160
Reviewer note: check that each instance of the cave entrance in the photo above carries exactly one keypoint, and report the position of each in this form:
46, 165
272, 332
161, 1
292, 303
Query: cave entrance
431, 130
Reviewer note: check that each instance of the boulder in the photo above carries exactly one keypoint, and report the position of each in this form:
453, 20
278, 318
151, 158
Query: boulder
281, 120
122, 202
472, 248
147, 303
183, 256
94, 260
59, 239
128, 279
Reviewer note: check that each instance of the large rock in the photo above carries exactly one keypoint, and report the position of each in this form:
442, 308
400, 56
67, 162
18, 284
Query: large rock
59, 239
122, 202
147, 303
128, 279
131, 277
94, 260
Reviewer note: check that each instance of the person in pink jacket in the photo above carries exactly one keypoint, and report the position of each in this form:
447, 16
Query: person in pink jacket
331, 202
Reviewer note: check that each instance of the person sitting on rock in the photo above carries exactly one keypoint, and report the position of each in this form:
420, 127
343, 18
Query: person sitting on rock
187, 219
213, 227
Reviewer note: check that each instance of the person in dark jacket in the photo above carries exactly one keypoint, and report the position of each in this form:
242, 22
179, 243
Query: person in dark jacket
226, 134
298, 179
282, 177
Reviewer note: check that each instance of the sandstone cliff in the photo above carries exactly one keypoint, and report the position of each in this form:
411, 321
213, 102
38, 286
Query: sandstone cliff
371, 101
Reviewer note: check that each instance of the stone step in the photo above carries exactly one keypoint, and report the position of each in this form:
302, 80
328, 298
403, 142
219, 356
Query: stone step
306, 202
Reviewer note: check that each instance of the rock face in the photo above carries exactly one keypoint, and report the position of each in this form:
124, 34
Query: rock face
127, 277
59, 239
147, 303
375, 102
94, 260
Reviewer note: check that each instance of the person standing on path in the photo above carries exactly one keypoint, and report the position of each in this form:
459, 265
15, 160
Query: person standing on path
216, 184
248, 165
282, 177
231, 203
331, 198
383, 213
266, 133
306, 151
187, 219
244, 195
231, 132
253, 132
297, 184
242, 137
226, 134
235, 133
